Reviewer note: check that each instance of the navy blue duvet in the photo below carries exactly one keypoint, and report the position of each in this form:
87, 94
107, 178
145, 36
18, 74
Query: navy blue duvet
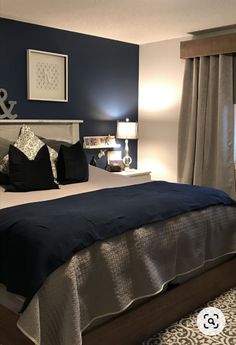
37, 238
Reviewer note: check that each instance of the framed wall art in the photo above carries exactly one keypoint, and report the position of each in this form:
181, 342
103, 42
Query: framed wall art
47, 76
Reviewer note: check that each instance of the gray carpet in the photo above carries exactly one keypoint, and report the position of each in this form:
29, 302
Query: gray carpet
185, 331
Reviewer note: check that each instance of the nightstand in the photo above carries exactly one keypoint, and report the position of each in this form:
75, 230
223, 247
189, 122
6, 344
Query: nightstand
144, 175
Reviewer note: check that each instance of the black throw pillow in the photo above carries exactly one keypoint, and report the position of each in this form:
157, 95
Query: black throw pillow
4, 178
72, 164
28, 175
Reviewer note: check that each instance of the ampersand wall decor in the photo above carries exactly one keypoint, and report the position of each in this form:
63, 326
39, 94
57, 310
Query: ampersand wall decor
6, 111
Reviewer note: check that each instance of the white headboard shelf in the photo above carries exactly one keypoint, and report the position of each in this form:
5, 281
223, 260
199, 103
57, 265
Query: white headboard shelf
65, 130
39, 121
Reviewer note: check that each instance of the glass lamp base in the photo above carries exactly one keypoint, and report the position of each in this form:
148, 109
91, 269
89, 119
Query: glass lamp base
127, 161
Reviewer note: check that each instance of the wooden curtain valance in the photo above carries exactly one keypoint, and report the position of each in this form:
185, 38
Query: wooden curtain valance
222, 44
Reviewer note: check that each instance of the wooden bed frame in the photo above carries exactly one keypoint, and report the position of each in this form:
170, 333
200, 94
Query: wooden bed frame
133, 326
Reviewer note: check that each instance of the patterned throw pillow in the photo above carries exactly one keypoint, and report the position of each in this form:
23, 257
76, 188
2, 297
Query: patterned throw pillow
29, 144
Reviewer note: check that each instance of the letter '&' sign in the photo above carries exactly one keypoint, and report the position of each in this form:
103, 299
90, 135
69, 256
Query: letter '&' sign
6, 112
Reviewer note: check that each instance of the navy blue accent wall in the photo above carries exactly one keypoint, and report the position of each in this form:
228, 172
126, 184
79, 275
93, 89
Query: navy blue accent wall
103, 77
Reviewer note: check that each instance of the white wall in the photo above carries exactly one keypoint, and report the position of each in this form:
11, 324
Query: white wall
160, 88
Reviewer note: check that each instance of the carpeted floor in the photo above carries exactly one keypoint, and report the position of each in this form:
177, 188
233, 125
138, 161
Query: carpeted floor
185, 332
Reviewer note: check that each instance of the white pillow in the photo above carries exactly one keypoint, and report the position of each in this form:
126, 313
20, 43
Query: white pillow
29, 144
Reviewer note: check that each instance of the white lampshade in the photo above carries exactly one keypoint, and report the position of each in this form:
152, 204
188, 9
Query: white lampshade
127, 130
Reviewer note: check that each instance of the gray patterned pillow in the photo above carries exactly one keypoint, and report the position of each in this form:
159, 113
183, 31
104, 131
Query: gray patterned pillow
29, 144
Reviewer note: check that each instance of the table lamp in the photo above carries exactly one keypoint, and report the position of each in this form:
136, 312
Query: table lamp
127, 130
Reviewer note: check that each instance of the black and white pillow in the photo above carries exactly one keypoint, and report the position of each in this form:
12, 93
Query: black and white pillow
28, 175
29, 144
72, 164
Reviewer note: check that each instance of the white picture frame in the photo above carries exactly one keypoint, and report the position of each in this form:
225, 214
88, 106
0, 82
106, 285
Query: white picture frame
47, 76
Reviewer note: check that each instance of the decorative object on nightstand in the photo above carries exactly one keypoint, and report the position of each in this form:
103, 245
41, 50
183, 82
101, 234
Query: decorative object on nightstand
103, 143
114, 161
127, 130
113, 168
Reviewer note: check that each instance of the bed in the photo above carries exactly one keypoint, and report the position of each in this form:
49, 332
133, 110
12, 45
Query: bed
133, 300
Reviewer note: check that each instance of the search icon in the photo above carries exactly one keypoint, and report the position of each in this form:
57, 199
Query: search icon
211, 321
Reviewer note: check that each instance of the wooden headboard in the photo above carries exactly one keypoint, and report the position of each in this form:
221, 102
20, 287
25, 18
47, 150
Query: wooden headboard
65, 130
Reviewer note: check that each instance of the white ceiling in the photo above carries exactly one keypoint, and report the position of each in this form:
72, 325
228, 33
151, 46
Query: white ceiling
134, 21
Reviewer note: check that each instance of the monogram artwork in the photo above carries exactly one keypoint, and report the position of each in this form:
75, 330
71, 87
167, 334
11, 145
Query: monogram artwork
6, 111
47, 76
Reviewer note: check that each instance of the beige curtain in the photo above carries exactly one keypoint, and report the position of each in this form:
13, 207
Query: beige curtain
206, 126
